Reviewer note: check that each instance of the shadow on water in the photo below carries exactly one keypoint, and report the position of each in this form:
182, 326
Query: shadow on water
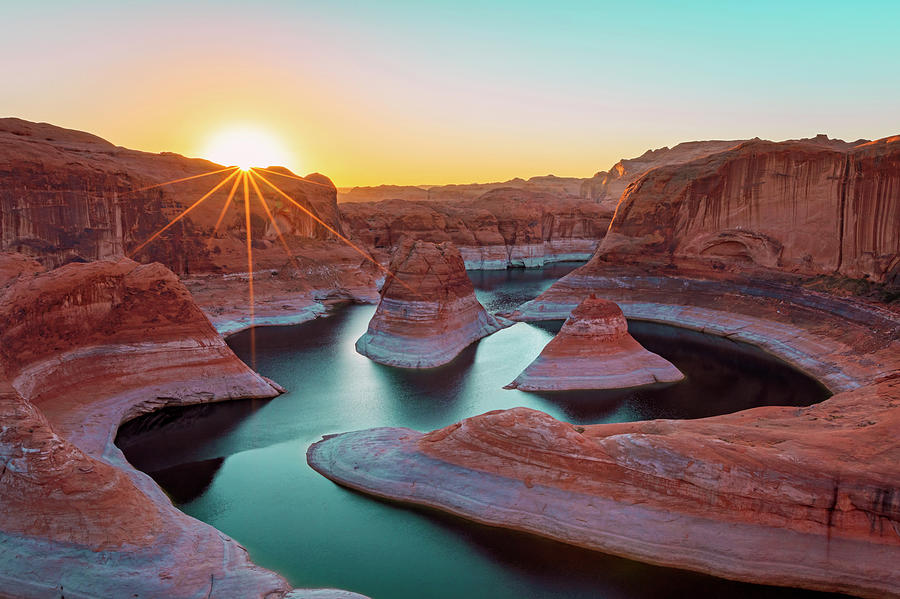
557, 569
413, 391
152, 441
186, 482
721, 376
506, 290
240, 465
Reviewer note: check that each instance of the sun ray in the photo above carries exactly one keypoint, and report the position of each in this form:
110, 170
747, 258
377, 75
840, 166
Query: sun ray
304, 179
221, 170
265, 206
330, 229
237, 181
250, 270
182, 214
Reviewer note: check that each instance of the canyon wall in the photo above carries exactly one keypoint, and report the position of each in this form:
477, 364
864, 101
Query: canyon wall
84, 347
502, 228
803, 497
562, 187
799, 206
606, 187
71, 196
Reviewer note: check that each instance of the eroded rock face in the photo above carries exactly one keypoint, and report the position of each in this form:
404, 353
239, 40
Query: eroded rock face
801, 206
593, 350
549, 184
51, 490
428, 312
71, 196
82, 348
502, 228
606, 187
801, 497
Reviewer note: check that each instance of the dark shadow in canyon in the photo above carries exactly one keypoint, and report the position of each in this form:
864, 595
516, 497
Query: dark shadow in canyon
721, 376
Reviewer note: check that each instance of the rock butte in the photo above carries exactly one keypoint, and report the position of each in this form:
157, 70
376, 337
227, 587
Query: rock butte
734, 244
428, 312
724, 237
83, 348
593, 350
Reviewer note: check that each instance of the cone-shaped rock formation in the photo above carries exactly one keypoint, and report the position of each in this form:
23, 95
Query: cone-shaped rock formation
428, 312
593, 350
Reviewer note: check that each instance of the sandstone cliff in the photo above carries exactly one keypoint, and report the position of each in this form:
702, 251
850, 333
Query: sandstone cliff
502, 228
560, 187
801, 206
71, 196
593, 350
606, 187
83, 348
803, 497
428, 312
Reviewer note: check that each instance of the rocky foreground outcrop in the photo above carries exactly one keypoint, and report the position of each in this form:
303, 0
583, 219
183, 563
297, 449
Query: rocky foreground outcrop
593, 350
805, 206
502, 228
428, 312
804, 497
83, 348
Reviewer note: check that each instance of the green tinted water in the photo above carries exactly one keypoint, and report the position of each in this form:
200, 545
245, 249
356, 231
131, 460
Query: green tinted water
241, 466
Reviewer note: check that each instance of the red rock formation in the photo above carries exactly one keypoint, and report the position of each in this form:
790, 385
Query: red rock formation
428, 312
68, 195
85, 347
807, 207
380, 193
13, 265
802, 497
52, 490
593, 350
606, 187
504, 227
560, 187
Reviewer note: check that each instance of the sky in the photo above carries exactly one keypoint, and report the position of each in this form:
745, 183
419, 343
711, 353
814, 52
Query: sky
452, 92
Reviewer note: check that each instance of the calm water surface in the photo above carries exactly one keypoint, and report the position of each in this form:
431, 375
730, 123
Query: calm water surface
241, 466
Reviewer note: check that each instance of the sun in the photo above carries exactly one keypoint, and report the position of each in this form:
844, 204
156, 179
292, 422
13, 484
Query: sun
246, 147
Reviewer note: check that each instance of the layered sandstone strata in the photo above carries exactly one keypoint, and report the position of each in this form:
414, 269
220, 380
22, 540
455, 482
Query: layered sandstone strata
72, 196
503, 228
802, 206
798, 497
788, 496
428, 312
83, 348
549, 184
606, 187
593, 350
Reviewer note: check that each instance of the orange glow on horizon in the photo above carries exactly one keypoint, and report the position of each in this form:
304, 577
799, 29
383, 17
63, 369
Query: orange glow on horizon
246, 147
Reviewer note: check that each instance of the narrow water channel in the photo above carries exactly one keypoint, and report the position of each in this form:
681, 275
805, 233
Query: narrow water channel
241, 466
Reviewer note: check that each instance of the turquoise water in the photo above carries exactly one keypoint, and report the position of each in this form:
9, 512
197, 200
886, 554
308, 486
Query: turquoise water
241, 466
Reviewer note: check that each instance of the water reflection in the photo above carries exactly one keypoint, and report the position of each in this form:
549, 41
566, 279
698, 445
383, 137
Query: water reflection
241, 465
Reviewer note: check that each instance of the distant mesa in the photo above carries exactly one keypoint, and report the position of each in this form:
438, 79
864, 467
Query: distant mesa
428, 312
593, 350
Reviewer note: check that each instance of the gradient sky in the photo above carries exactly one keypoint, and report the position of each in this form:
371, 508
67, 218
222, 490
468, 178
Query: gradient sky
453, 92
